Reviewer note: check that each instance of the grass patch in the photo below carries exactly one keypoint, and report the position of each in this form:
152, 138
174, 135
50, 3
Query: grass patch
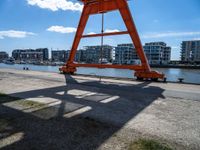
20, 102
29, 104
145, 144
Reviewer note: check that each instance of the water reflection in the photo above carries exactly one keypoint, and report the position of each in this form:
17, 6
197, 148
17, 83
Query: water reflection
189, 75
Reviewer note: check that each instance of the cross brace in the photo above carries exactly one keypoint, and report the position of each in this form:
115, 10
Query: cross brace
102, 6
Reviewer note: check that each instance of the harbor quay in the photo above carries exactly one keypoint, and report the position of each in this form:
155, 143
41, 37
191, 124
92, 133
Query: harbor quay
52, 110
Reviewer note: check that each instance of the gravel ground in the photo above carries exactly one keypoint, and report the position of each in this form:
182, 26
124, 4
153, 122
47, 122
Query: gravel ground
83, 113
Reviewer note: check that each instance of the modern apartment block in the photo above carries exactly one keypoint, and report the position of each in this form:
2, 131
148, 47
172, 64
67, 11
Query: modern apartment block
157, 52
31, 55
45, 52
3, 56
80, 56
59, 55
125, 54
95, 53
190, 51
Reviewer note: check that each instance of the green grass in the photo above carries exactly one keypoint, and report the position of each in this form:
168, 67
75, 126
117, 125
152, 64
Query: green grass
145, 144
4, 122
20, 102
29, 104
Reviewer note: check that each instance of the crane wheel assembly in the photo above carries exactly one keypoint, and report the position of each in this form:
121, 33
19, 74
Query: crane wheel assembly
91, 7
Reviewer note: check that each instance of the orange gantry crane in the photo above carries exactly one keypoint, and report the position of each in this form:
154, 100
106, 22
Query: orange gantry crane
91, 7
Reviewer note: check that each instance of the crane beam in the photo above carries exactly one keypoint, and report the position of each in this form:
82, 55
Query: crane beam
92, 7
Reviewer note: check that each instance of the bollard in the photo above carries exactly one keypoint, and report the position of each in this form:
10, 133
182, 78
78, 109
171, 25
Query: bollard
181, 80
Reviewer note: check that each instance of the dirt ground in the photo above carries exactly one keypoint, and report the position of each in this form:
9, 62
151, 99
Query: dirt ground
53, 111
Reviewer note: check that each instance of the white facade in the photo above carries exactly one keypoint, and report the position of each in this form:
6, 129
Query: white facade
156, 52
126, 54
190, 51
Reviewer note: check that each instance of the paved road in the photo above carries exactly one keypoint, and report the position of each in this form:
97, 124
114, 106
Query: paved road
167, 111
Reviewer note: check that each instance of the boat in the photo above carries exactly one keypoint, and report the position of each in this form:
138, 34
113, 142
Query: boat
9, 61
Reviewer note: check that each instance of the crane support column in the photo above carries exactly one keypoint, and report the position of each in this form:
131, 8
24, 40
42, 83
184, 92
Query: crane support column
70, 68
91, 7
130, 25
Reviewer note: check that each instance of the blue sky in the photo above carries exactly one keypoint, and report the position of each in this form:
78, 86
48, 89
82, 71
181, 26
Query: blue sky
52, 23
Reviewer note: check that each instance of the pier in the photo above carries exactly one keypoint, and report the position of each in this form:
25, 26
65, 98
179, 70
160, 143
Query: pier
121, 110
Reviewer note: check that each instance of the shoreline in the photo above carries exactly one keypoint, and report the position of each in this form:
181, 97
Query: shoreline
107, 77
120, 110
172, 74
176, 66
152, 66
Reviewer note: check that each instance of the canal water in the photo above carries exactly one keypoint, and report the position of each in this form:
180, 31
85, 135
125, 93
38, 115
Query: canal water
172, 74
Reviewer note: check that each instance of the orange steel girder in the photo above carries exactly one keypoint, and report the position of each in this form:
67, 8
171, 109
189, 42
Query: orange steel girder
102, 6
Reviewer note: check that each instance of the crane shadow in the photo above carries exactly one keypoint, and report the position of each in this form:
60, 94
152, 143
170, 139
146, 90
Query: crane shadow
83, 114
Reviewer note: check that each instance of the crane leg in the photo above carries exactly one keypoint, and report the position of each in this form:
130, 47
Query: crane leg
69, 66
102, 6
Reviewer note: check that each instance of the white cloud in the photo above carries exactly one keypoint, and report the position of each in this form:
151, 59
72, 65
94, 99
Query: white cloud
175, 47
196, 39
111, 30
56, 5
170, 34
15, 34
106, 31
61, 29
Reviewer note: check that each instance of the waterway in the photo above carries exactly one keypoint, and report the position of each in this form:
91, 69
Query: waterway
172, 74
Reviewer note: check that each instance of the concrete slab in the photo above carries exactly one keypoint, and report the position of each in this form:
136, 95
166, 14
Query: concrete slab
166, 110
